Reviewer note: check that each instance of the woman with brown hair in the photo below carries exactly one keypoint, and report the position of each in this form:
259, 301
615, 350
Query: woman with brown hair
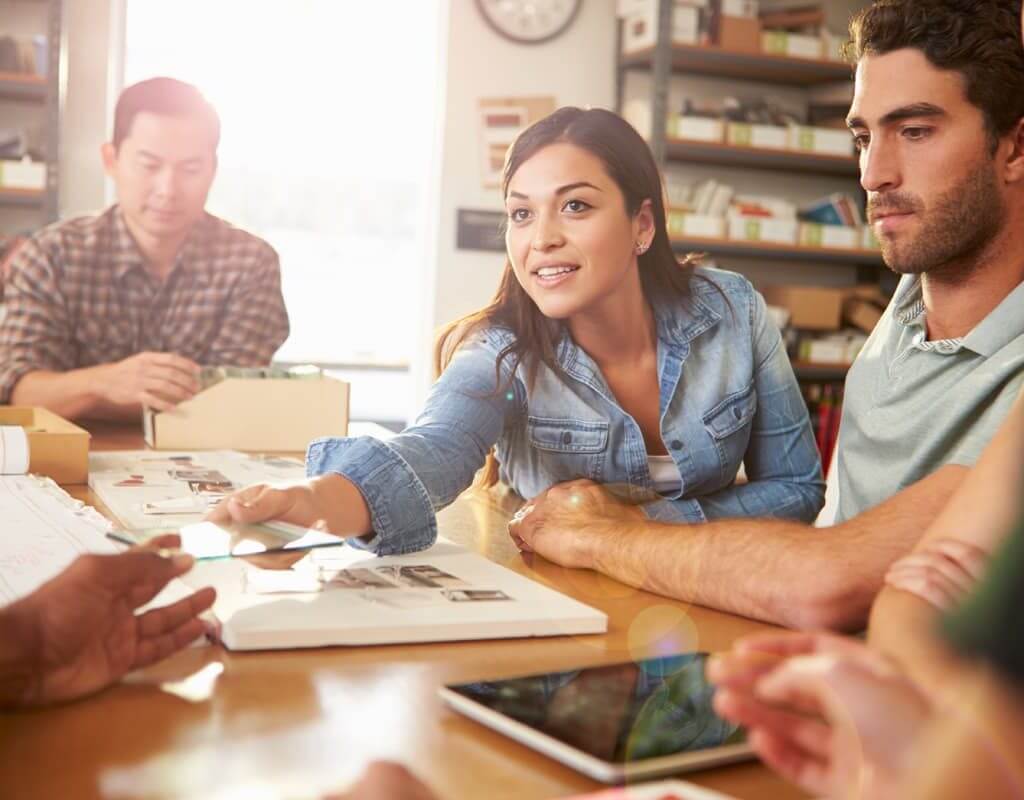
601, 357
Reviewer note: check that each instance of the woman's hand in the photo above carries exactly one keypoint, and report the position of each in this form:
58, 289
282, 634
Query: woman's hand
329, 502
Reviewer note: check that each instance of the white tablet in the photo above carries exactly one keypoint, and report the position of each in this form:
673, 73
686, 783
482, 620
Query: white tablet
614, 723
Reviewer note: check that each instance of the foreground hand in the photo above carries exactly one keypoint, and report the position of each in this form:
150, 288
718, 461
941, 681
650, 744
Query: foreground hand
562, 523
156, 380
82, 624
825, 712
385, 780
941, 573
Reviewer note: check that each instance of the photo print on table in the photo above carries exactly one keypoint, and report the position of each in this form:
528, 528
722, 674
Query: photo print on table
474, 595
422, 576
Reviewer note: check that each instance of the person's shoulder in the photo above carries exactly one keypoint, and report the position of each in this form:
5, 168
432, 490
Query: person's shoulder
711, 282
60, 245
227, 241
75, 233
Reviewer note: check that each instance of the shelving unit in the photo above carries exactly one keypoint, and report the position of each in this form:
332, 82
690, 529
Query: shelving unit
27, 209
739, 248
666, 59
730, 155
22, 198
763, 67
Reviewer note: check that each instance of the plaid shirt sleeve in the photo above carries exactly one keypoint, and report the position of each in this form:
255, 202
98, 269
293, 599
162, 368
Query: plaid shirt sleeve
36, 330
255, 320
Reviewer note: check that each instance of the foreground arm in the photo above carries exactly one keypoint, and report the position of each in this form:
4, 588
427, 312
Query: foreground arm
777, 571
950, 557
78, 633
393, 489
111, 391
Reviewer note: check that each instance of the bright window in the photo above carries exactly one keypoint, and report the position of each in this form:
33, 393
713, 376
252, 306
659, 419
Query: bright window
328, 113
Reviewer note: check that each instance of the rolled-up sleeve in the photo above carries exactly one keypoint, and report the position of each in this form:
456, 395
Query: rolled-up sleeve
36, 331
410, 477
782, 462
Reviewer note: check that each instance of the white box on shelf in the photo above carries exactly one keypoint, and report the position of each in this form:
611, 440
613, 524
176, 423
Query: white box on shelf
832, 45
793, 45
23, 174
746, 134
762, 229
814, 234
740, 8
826, 141
702, 226
868, 239
640, 30
703, 129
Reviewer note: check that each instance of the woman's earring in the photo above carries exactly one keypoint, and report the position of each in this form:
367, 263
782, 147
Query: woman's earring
641, 248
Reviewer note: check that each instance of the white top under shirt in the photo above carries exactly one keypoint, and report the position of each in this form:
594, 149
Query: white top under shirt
664, 474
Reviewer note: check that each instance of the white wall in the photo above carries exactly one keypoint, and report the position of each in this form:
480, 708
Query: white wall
577, 68
92, 39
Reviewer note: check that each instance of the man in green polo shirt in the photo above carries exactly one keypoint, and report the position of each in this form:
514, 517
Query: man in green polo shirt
938, 120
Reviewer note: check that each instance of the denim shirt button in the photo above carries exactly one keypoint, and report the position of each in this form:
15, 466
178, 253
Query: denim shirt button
675, 444
566, 438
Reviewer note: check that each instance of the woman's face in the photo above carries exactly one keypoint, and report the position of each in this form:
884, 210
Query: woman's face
571, 241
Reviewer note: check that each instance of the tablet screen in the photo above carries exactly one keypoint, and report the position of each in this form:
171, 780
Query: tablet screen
619, 713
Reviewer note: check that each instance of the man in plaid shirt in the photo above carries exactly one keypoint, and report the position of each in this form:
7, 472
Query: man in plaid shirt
111, 312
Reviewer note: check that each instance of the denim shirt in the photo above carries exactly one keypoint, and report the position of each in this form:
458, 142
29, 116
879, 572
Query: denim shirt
727, 396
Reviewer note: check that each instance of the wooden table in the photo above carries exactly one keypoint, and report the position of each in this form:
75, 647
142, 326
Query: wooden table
209, 723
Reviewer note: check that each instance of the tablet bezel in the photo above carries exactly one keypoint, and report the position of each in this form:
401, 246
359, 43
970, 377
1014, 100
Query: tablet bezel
600, 770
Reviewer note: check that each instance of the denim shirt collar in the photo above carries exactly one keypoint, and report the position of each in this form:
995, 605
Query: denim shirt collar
678, 323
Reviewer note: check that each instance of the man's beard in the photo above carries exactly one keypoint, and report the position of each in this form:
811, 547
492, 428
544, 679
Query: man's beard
954, 232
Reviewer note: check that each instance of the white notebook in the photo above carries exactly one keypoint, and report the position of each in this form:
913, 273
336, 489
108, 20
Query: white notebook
343, 596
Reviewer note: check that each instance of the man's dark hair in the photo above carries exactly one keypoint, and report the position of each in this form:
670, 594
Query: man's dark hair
980, 39
165, 96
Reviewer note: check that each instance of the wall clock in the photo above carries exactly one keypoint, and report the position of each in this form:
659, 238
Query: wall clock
529, 21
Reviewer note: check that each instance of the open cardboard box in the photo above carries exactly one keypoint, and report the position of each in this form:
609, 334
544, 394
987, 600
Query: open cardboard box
56, 448
255, 414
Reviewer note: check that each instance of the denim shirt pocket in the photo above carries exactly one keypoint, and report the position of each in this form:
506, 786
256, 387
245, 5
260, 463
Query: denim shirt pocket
569, 448
729, 424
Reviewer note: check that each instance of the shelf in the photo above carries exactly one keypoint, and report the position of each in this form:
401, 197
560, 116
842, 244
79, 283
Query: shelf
729, 155
759, 67
811, 371
790, 252
17, 86
25, 198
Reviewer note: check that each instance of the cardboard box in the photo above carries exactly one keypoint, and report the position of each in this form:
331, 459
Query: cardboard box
762, 229
740, 34
640, 30
827, 141
810, 307
57, 448
701, 226
701, 129
265, 415
745, 134
862, 314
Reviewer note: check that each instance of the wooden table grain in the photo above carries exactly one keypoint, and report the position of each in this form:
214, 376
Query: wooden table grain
210, 723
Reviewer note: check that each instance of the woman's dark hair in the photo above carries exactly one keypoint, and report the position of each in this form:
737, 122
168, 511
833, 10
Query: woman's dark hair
629, 162
980, 39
